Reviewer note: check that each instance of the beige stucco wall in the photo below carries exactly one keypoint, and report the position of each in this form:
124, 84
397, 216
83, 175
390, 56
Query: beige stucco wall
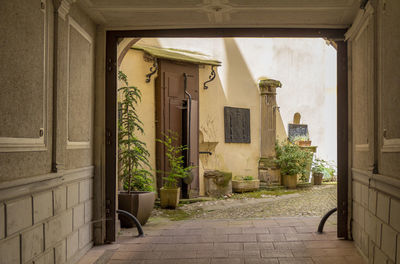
239, 158
306, 68
242, 91
136, 68
45, 217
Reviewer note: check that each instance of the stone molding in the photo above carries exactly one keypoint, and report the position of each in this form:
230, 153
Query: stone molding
14, 189
391, 145
63, 7
73, 24
379, 182
361, 21
268, 86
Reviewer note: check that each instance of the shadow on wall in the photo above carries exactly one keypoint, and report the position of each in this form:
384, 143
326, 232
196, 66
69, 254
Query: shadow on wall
235, 87
240, 84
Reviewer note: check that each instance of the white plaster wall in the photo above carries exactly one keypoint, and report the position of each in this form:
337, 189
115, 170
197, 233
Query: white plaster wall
306, 68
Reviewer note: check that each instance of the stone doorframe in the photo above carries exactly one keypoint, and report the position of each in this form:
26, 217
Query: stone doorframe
112, 38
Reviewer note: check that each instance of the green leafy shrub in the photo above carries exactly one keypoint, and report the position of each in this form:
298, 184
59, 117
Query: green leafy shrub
291, 159
175, 159
248, 178
318, 166
328, 169
132, 153
301, 138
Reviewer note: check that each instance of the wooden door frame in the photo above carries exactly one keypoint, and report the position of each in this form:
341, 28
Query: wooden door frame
336, 35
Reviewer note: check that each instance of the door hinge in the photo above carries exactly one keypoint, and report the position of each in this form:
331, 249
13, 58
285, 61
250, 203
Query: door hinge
42, 5
375, 169
108, 137
108, 204
110, 65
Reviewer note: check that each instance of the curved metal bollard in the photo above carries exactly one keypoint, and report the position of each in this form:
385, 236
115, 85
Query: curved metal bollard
131, 216
323, 220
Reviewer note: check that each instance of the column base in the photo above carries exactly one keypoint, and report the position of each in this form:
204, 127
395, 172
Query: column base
268, 172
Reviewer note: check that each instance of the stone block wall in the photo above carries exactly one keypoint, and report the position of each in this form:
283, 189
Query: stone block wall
51, 222
373, 42
46, 193
376, 222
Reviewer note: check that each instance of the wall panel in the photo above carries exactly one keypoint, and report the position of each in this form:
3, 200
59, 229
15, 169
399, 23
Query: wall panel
389, 87
26, 88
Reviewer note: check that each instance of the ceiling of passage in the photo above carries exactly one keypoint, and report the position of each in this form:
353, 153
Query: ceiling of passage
160, 14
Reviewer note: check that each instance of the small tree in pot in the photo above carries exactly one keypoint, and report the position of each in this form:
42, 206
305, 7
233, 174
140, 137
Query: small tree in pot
170, 192
138, 198
292, 161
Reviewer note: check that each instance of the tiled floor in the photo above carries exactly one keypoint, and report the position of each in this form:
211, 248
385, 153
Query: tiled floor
272, 240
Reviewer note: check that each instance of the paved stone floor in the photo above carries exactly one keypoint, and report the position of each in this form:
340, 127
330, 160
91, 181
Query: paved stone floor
269, 240
314, 201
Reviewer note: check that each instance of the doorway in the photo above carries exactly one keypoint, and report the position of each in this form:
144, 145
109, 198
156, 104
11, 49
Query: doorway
177, 114
336, 35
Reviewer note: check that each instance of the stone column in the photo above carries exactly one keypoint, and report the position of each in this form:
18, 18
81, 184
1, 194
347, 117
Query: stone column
267, 171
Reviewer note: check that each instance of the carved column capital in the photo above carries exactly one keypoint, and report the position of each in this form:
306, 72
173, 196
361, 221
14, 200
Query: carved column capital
268, 86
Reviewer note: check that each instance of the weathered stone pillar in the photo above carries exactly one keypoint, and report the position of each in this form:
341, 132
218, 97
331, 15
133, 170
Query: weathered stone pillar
267, 171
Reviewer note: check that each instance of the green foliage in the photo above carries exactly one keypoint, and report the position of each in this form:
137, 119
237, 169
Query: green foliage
301, 138
291, 159
132, 155
328, 169
248, 178
318, 166
175, 159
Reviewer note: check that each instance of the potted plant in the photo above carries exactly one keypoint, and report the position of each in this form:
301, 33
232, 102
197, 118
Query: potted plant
245, 184
137, 196
322, 171
170, 192
318, 170
292, 161
302, 141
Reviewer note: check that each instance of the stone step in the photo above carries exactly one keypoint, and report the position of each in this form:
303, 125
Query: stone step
271, 187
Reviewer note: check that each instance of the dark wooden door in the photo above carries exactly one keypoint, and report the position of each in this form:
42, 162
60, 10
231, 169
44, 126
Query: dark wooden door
175, 112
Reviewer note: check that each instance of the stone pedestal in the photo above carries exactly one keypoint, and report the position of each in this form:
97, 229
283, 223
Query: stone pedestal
217, 183
267, 170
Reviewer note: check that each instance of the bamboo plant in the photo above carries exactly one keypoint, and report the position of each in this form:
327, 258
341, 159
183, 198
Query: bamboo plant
133, 155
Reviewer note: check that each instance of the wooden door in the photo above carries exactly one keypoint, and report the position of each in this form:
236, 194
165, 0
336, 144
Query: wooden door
172, 114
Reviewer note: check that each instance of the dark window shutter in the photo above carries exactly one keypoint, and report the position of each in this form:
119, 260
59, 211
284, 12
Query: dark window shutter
237, 125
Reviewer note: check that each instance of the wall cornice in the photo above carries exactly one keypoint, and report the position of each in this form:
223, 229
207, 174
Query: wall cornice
13, 189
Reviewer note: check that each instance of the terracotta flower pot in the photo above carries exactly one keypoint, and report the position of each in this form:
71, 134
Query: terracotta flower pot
305, 143
289, 181
140, 204
169, 198
317, 178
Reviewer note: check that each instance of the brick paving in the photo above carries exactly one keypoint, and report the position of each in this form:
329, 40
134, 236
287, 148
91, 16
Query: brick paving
269, 240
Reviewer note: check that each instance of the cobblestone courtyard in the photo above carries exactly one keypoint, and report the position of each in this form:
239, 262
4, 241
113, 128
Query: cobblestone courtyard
314, 201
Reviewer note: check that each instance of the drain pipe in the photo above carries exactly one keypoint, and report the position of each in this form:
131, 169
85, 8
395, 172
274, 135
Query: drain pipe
135, 221
323, 220
55, 79
189, 107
